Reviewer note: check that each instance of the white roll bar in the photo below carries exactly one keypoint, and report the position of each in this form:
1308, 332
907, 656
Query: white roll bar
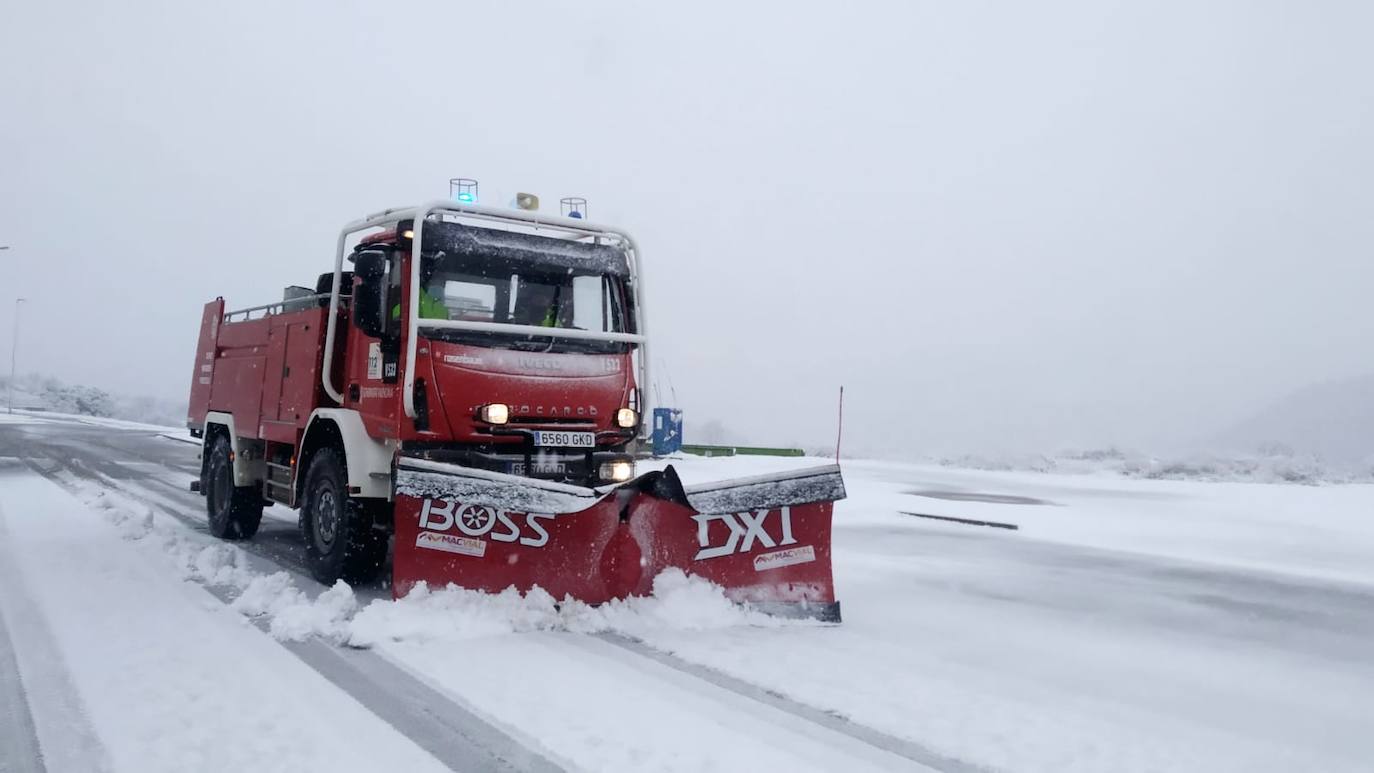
531, 330
418, 215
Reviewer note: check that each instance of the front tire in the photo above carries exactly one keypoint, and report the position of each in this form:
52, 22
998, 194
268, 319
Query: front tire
340, 542
235, 512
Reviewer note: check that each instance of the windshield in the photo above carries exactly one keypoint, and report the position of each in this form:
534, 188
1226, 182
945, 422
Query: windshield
477, 289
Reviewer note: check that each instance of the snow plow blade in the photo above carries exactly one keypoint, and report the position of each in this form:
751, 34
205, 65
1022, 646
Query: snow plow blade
764, 540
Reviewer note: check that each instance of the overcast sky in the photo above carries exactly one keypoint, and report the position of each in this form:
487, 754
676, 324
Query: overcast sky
1002, 226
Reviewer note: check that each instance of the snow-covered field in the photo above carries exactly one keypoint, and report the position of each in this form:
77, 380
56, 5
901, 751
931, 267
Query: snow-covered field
32, 416
1127, 625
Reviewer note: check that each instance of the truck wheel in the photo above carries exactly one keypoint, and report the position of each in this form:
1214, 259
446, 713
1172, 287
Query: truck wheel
235, 511
340, 542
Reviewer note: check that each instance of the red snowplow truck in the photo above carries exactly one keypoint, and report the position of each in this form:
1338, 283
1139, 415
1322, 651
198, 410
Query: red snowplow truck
461, 400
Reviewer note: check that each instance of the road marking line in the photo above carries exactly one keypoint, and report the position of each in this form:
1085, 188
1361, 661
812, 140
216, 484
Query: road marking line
447, 730
19, 748
877, 739
61, 730
968, 521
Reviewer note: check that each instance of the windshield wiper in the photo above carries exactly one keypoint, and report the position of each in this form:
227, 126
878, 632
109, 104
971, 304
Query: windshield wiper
532, 344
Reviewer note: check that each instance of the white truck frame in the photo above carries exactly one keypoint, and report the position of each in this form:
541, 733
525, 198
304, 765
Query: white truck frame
572, 228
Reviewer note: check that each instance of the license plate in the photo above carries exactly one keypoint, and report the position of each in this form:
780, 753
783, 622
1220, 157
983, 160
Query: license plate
565, 439
538, 468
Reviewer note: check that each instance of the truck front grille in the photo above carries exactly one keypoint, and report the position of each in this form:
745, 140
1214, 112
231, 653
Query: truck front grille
552, 421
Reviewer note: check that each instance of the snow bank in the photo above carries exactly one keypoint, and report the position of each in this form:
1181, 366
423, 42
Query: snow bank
291, 614
1273, 465
288, 611
679, 602
325, 616
215, 564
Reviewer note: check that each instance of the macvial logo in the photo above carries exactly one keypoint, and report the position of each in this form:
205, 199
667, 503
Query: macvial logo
450, 543
440, 515
745, 529
787, 557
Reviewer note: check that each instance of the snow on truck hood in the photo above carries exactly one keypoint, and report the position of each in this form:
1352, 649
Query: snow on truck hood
514, 362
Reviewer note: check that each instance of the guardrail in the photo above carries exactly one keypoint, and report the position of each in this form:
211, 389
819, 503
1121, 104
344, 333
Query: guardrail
705, 450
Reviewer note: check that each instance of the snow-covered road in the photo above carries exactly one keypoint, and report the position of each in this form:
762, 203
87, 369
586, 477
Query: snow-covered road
1128, 625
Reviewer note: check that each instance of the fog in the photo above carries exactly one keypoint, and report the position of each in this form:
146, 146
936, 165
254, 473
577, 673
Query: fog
1000, 226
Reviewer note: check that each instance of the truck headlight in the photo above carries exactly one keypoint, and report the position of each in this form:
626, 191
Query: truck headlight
494, 413
618, 470
626, 417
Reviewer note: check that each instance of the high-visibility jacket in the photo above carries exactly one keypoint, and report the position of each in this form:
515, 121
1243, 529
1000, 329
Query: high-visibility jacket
430, 307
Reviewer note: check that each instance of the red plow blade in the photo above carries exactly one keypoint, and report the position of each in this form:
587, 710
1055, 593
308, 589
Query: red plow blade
765, 540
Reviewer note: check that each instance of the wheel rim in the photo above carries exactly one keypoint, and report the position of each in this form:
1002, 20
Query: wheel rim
326, 518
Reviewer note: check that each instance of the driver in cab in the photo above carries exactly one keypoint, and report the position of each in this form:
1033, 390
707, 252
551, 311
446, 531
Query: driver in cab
431, 305
537, 306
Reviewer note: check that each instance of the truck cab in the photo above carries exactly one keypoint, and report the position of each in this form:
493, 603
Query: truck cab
503, 350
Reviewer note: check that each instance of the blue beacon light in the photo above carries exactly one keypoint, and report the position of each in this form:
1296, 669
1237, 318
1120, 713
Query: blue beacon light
463, 190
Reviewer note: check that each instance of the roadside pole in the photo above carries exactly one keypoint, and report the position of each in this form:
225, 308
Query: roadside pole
14, 345
14, 352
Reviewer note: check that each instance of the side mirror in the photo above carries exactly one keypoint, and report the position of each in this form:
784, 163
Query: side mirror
369, 298
369, 265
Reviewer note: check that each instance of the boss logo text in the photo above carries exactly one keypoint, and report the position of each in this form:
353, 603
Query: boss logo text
439, 515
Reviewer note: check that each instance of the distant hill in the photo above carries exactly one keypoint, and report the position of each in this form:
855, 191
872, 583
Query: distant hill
1333, 420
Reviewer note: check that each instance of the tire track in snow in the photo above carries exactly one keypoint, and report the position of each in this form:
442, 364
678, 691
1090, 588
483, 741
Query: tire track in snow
864, 734
453, 734
275, 544
44, 726
19, 750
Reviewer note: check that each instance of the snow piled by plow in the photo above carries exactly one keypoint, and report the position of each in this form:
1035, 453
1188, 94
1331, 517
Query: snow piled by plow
679, 601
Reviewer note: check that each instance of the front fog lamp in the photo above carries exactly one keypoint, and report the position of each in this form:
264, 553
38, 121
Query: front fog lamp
626, 417
494, 413
619, 470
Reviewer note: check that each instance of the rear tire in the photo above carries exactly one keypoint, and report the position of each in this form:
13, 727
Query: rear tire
340, 543
235, 512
